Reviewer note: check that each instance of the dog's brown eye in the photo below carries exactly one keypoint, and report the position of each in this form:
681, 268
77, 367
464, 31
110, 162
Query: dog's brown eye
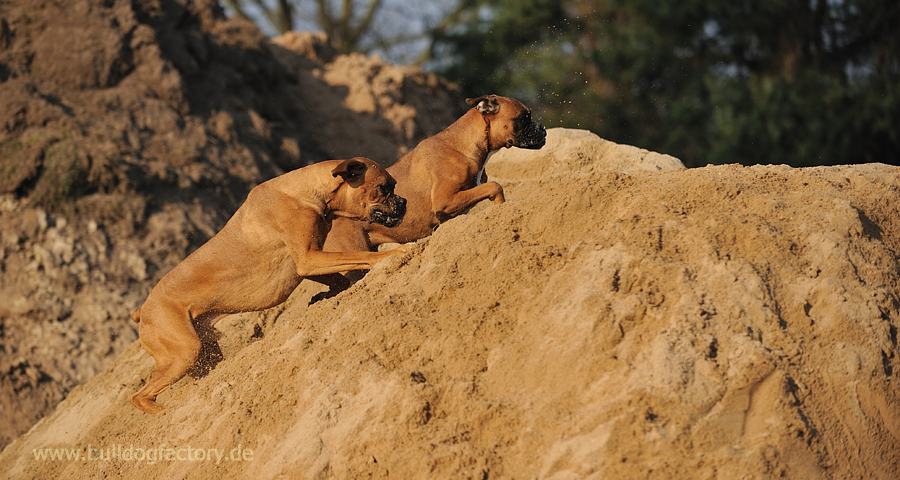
521, 122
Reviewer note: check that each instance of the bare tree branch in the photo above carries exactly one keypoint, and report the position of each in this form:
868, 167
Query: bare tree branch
237, 6
286, 16
270, 15
453, 18
397, 28
324, 19
366, 22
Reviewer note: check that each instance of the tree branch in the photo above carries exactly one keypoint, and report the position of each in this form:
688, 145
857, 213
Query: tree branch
238, 10
286, 14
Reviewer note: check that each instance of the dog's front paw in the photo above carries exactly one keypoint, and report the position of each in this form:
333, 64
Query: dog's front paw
497, 196
147, 405
403, 249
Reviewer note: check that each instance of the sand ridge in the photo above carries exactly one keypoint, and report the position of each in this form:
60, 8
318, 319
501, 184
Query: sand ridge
721, 322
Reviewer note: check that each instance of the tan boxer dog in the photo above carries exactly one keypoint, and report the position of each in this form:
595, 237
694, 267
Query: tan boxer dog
444, 175
272, 242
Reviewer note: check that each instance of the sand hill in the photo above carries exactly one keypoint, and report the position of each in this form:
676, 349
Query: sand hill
129, 132
618, 317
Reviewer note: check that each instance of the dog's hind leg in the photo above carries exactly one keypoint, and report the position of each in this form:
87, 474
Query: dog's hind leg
169, 337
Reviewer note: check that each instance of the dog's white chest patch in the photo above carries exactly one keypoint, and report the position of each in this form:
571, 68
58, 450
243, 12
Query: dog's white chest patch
481, 172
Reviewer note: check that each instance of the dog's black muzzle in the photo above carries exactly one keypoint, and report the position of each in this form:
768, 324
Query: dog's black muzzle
391, 214
534, 136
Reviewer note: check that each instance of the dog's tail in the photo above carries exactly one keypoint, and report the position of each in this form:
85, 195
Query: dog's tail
136, 315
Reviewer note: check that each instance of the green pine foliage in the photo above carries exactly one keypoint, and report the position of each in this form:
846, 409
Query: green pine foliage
799, 82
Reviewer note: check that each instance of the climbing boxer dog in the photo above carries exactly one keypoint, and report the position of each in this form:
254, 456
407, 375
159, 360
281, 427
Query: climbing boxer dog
272, 242
444, 175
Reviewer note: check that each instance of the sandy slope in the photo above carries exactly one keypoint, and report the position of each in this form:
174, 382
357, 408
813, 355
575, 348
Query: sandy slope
724, 322
130, 130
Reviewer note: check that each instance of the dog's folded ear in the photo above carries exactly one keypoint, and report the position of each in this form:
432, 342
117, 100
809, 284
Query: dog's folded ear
349, 169
485, 104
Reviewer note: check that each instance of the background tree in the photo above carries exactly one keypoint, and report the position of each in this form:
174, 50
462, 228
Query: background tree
396, 29
802, 82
